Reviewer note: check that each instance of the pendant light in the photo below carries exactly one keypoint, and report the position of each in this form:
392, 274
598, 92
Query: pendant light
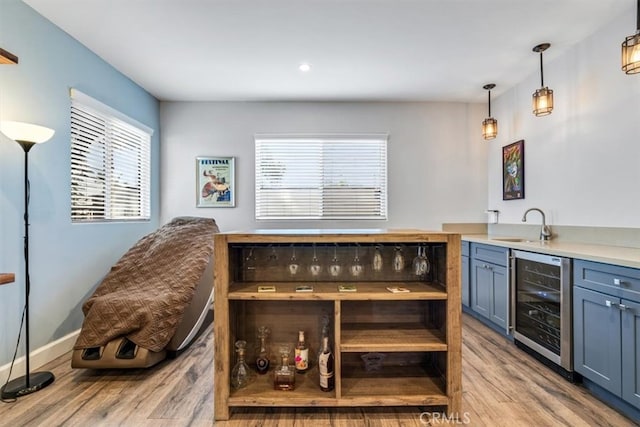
543, 97
631, 49
489, 125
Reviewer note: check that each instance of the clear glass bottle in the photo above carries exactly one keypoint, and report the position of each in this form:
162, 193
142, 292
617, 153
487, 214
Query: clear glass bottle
284, 376
262, 360
240, 374
302, 354
326, 363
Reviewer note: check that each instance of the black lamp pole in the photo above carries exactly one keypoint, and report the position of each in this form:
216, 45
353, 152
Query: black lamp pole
31, 382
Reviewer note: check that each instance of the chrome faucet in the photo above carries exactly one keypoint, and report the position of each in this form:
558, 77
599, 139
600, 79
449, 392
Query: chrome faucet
545, 232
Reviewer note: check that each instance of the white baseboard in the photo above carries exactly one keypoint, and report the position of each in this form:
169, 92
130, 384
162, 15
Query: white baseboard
40, 356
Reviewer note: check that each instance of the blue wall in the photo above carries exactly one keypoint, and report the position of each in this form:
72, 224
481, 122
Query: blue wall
67, 260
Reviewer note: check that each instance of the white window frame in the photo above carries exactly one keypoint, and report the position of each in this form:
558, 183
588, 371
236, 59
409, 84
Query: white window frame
106, 146
323, 185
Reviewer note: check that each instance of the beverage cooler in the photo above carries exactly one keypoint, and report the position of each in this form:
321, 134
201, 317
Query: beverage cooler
541, 308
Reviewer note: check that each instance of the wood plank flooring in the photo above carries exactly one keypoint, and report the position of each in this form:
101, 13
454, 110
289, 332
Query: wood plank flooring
502, 386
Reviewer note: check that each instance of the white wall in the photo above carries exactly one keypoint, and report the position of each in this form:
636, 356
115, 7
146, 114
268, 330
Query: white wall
582, 161
437, 158
66, 260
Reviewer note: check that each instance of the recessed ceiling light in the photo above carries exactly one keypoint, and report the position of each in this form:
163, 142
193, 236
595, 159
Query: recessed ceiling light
304, 67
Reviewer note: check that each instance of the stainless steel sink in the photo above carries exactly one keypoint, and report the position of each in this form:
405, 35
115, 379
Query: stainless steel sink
512, 239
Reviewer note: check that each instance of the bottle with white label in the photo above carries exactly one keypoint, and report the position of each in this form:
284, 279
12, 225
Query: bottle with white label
302, 354
326, 362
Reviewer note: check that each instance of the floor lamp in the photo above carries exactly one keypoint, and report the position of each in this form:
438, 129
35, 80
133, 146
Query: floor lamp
27, 135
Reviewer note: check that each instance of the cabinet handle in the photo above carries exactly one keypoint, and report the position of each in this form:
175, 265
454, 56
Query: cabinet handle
622, 307
618, 282
610, 303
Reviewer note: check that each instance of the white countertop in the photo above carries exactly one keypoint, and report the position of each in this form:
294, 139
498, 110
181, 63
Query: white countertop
628, 257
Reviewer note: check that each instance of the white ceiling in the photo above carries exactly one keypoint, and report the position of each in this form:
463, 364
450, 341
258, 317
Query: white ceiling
438, 50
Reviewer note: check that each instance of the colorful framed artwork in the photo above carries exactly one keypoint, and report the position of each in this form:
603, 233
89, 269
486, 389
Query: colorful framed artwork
513, 171
215, 182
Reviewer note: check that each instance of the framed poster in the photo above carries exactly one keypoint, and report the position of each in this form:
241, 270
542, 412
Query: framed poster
513, 171
215, 182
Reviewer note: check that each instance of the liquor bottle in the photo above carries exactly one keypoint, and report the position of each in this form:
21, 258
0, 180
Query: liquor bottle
240, 374
326, 362
262, 360
302, 354
284, 376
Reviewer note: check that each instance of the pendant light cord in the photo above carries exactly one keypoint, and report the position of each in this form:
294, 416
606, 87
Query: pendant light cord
541, 70
490, 99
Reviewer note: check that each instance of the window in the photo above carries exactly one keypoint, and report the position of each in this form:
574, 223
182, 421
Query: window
110, 163
341, 177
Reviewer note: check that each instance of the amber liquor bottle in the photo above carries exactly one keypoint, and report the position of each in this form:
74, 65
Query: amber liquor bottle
326, 363
302, 354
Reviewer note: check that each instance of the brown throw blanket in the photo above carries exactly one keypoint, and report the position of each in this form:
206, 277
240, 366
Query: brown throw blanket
146, 292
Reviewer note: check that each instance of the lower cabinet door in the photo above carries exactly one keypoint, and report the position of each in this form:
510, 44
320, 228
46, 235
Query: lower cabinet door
631, 352
481, 287
499, 296
596, 337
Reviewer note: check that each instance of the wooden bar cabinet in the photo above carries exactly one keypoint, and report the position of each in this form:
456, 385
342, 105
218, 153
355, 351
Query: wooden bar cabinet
391, 349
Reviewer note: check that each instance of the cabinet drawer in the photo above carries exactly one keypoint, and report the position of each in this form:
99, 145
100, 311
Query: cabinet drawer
623, 282
489, 253
465, 248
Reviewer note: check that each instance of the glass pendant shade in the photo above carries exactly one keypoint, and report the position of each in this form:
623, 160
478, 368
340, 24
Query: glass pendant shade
19, 131
489, 128
631, 54
542, 101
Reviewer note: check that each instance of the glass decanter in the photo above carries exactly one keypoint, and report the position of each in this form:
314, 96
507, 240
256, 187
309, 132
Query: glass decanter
240, 374
284, 376
262, 360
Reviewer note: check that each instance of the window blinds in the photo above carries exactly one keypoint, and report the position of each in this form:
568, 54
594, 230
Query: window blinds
338, 177
110, 163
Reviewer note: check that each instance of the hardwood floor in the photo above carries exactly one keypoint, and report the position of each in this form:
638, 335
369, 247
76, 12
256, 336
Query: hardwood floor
502, 386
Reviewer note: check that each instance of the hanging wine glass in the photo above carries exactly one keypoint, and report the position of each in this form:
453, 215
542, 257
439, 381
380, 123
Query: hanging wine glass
293, 262
377, 259
315, 268
356, 265
398, 260
420, 262
250, 261
273, 255
335, 268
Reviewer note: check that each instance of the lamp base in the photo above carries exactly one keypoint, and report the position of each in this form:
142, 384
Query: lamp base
18, 387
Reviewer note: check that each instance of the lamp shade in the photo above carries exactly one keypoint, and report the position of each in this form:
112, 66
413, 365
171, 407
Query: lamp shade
631, 54
489, 128
27, 132
542, 101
